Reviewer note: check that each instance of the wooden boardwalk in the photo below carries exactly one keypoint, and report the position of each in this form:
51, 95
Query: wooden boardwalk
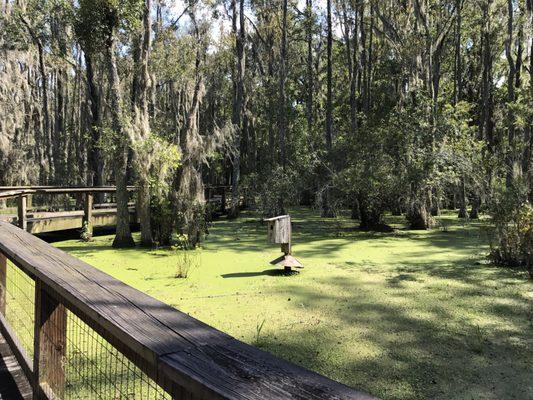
13, 382
35, 221
40, 222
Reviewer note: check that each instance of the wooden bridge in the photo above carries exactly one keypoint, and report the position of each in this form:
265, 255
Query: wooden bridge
44, 218
72, 331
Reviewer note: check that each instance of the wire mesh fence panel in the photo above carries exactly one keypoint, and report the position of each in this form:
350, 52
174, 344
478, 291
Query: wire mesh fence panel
83, 365
19, 306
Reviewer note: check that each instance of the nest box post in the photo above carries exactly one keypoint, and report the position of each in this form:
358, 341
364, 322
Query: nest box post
280, 232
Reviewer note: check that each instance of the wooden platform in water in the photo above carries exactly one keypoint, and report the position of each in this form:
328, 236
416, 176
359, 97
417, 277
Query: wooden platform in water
13, 382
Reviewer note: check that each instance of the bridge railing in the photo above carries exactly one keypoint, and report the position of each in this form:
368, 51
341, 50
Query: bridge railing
22, 193
79, 333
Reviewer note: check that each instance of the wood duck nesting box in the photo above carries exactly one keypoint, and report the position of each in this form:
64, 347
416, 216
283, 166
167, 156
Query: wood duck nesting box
280, 232
279, 229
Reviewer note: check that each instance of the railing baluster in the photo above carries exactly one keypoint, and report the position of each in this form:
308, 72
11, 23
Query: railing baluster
3, 283
22, 210
50, 345
88, 212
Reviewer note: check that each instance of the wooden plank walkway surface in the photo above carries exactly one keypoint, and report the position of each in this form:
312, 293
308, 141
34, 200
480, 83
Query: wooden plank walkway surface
13, 383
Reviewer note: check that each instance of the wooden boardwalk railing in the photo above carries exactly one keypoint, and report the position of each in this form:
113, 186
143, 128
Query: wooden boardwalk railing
92, 336
97, 214
46, 222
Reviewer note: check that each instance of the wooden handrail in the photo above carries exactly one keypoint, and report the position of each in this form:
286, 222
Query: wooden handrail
60, 187
10, 192
186, 357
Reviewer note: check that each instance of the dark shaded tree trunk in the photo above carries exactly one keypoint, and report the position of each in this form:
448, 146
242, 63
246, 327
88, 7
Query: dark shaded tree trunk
60, 138
511, 142
457, 96
238, 105
528, 132
310, 74
462, 198
47, 130
282, 89
326, 206
123, 236
141, 160
95, 176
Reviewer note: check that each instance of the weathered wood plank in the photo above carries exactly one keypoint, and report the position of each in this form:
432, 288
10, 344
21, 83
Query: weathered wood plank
3, 283
74, 190
86, 188
7, 192
15, 193
56, 221
51, 341
185, 352
279, 229
39, 222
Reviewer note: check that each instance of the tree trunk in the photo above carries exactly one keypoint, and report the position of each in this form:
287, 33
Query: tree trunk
486, 126
282, 83
238, 105
369, 218
418, 216
351, 63
528, 134
123, 236
47, 131
95, 166
60, 138
46, 112
476, 204
458, 95
310, 74
326, 207
462, 198
142, 160
511, 145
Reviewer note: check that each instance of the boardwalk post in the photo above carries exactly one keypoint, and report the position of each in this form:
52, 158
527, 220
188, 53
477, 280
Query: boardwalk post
88, 213
3, 282
49, 345
22, 210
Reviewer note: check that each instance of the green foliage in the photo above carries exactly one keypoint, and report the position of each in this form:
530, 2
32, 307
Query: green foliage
193, 223
164, 161
461, 153
258, 329
97, 20
276, 192
187, 261
512, 215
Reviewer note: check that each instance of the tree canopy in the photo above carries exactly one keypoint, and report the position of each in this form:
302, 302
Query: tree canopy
403, 106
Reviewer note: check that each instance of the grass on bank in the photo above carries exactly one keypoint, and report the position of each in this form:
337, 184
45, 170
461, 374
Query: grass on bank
402, 315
